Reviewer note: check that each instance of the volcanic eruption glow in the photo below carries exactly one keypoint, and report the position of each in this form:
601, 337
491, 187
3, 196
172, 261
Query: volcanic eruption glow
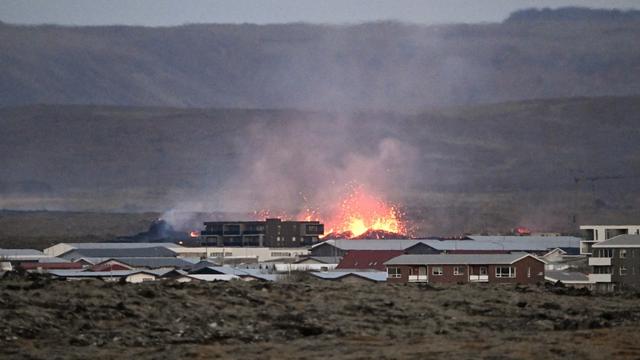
360, 212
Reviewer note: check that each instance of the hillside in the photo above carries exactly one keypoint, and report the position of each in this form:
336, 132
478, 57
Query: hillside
390, 66
546, 164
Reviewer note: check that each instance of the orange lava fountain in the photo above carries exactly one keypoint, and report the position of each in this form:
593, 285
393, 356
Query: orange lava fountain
360, 212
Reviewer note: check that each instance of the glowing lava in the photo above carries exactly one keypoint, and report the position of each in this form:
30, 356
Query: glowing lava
360, 212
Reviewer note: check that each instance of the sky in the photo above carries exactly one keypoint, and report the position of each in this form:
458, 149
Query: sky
177, 12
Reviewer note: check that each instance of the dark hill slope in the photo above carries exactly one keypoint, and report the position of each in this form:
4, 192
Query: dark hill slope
536, 162
370, 66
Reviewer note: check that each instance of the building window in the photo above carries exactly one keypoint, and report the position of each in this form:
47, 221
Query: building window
436, 270
623, 253
293, 238
483, 270
394, 272
280, 254
623, 271
529, 272
602, 269
505, 272
458, 270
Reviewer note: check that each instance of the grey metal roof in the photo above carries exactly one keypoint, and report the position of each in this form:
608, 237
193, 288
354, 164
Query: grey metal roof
120, 245
387, 244
101, 274
532, 240
457, 259
625, 240
507, 243
20, 252
155, 262
257, 273
334, 275
156, 251
322, 259
566, 276
97, 274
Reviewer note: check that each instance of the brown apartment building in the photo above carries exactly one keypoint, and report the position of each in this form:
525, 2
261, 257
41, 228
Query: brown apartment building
521, 268
269, 233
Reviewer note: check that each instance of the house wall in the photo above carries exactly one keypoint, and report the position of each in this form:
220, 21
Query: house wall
631, 262
421, 249
522, 273
138, 278
326, 250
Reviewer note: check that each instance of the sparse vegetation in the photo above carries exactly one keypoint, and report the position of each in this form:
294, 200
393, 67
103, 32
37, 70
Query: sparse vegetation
40, 316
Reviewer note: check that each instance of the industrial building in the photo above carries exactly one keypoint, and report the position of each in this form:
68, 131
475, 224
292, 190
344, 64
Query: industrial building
268, 233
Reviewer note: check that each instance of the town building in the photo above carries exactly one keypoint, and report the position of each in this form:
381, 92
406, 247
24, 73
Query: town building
63, 248
367, 259
519, 268
268, 233
593, 234
616, 263
573, 279
352, 277
474, 245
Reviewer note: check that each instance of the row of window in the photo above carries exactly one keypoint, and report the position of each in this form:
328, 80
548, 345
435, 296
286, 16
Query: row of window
622, 270
220, 254
501, 271
609, 253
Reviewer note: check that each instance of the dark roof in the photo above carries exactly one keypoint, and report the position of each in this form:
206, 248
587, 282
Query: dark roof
119, 253
367, 259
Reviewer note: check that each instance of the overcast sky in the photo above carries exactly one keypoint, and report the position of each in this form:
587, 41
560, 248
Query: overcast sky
165, 12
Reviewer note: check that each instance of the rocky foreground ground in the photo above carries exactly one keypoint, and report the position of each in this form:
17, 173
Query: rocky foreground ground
41, 318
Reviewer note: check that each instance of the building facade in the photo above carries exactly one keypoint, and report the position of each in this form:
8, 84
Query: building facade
518, 268
269, 233
615, 263
593, 234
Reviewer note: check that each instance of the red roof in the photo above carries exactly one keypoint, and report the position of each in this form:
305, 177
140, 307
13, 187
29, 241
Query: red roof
367, 259
51, 266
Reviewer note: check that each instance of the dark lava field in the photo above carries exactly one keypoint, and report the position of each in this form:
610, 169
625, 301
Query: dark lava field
42, 318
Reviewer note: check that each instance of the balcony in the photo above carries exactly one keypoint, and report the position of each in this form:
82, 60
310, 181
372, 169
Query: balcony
596, 278
599, 261
479, 278
418, 278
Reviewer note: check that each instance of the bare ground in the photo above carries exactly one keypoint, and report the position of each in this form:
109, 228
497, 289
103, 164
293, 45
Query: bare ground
42, 318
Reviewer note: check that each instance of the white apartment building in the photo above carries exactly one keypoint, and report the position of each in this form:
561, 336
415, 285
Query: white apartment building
593, 234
